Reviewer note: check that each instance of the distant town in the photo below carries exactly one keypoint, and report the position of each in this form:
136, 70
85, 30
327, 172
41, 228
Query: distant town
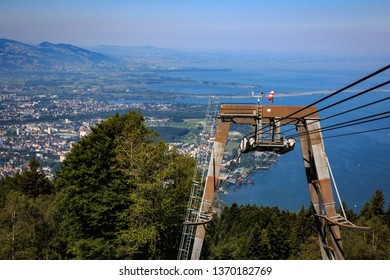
38, 126
45, 127
52, 94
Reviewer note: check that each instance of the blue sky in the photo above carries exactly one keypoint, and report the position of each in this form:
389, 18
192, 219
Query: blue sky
286, 27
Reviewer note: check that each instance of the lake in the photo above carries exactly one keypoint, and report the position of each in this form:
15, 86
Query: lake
360, 162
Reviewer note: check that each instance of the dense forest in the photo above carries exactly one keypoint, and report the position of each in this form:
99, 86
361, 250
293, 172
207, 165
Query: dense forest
122, 193
256, 232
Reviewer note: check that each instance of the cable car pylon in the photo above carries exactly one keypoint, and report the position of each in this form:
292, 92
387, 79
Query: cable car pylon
306, 121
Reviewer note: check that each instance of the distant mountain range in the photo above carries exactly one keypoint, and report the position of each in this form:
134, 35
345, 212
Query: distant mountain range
17, 56
137, 51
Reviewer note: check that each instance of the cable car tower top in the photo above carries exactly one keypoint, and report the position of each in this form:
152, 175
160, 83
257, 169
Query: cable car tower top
307, 122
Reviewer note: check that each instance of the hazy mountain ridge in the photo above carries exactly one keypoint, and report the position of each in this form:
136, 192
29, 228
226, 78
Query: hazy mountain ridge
17, 56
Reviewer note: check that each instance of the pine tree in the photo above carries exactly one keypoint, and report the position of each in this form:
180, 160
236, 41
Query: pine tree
376, 205
27, 227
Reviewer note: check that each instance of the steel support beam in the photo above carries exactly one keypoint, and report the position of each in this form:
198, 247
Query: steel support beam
220, 141
314, 159
320, 189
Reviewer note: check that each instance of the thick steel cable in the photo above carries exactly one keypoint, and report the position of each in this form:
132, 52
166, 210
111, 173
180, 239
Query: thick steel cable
254, 171
339, 91
344, 124
346, 99
356, 108
350, 133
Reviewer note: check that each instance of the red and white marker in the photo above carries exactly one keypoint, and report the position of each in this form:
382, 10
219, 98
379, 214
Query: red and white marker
271, 95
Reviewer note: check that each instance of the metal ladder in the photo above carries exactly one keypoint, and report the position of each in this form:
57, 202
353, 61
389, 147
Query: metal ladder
194, 212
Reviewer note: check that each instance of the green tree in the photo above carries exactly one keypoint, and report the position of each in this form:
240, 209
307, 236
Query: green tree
265, 246
309, 250
375, 243
26, 224
302, 231
255, 244
161, 180
124, 193
376, 205
94, 193
31, 182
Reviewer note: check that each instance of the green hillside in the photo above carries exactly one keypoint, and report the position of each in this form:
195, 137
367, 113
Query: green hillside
122, 194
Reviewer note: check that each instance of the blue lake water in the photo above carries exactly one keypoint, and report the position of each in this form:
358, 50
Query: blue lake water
360, 163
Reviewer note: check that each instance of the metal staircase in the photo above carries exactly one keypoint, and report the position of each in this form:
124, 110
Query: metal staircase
195, 214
